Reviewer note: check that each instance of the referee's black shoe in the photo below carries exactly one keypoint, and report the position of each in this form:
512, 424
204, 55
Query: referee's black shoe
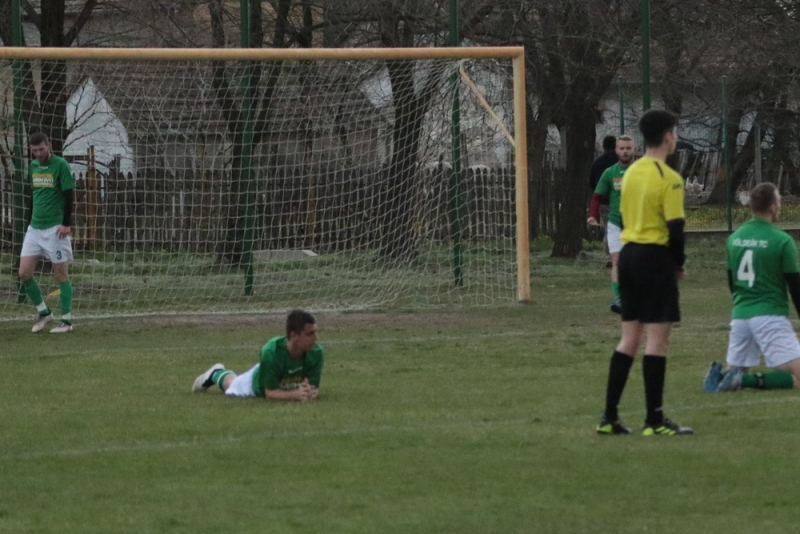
609, 428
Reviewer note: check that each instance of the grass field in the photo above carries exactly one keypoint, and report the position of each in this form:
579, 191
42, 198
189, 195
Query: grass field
476, 421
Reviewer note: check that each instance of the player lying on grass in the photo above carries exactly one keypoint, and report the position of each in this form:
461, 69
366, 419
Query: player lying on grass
762, 266
290, 366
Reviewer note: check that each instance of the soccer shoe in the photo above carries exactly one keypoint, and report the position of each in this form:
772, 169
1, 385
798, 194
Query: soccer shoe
203, 382
667, 428
609, 428
732, 380
62, 328
713, 377
42, 322
616, 307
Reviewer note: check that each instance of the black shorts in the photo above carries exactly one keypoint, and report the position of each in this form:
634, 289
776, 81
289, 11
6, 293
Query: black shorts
648, 284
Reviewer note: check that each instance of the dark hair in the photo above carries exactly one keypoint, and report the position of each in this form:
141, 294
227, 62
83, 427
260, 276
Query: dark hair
297, 320
38, 138
654, 124
762, 197
609, 142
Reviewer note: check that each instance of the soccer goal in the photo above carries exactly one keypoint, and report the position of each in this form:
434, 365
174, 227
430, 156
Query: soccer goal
257, 180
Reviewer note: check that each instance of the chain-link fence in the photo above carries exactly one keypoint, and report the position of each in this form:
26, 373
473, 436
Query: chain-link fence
758, 127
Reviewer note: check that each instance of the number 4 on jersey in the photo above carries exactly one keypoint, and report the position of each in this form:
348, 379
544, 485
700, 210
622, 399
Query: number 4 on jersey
746, 273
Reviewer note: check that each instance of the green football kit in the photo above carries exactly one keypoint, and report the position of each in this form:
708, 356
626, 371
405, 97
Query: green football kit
610, 185
277, 370
759, 253
48, 183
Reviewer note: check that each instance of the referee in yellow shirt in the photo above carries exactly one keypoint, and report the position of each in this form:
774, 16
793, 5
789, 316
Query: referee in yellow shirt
650, 265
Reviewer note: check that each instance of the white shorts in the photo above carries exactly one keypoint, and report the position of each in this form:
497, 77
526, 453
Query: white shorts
47, 243
242, 385
769, 335
613, 238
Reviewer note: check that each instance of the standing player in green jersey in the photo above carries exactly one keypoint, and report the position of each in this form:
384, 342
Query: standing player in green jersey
48, 233
650, 264
762, 265
608, 192
290, 367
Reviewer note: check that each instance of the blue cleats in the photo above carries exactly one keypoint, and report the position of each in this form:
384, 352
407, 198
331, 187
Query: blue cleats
713, 378
732, 380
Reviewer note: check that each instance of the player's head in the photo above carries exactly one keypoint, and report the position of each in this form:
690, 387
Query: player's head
765, 200
609, 142
625, 147
40, 147
658, 128
301, 329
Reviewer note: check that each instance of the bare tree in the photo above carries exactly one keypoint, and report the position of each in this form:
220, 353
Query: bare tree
391, 24
574, 49
48, 111
752, 43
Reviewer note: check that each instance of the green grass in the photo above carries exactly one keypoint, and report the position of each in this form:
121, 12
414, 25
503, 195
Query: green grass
715, 217
476, 421
142, 283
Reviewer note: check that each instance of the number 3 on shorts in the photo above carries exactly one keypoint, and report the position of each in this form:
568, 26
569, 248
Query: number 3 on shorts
746, 272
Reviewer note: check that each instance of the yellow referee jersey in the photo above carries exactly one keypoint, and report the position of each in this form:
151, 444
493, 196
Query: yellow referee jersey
652, 194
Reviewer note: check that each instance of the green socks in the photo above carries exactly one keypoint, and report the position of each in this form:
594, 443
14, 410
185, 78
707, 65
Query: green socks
66, 300
771, 380
33, 292
615, 290
218, 376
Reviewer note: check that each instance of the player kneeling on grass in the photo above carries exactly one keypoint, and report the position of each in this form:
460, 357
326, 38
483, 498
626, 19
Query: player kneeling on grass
290, 366
762, 265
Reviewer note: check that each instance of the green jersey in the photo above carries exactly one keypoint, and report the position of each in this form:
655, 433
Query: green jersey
48, 183
277, 370
610, 185
759, 253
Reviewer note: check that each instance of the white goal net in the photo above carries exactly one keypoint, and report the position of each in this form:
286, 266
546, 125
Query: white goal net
210, 185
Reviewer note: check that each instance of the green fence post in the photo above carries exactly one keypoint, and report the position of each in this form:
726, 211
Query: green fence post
726, 153
18, 184
247, 178
645, 15
456, 200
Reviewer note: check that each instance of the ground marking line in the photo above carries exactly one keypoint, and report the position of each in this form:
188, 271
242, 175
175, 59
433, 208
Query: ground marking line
255, 349
145, 447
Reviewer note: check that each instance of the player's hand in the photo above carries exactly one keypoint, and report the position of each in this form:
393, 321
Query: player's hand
63, 231
304, 391
591, 221
681, 273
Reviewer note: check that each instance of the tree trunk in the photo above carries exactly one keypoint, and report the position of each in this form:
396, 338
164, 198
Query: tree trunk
397, 237
230, 249
262, 86
741, 163
571, 192
53, 118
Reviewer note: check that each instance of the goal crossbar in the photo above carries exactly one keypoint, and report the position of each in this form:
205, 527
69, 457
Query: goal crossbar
259, 54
